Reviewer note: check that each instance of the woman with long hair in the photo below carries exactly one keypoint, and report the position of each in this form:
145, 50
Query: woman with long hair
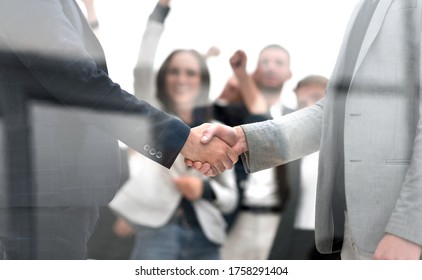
176, 213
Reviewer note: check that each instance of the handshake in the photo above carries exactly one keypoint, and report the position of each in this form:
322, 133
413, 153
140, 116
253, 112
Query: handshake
214, 148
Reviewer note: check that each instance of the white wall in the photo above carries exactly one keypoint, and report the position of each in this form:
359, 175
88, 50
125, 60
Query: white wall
311, 30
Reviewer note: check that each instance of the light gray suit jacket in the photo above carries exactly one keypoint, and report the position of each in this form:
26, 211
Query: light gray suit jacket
382, 133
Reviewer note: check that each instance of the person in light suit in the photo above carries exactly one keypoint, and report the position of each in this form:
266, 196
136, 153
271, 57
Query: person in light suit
295, 237
369, 132
60, 118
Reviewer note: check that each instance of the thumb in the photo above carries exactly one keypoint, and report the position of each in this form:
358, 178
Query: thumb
225, 133
207, 135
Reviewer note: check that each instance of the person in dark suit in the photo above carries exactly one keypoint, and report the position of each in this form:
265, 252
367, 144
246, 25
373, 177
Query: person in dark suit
60, 118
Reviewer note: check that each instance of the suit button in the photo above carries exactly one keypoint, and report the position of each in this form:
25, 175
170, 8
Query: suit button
147, 148
152, 151
159, 155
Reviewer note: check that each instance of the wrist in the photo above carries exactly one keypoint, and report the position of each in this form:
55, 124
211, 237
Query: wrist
242, 143
94, 24
242, 75
160, 12
187, 146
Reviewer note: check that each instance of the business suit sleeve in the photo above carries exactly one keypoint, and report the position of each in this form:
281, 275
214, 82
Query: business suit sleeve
406, 218
275, 142
54, 53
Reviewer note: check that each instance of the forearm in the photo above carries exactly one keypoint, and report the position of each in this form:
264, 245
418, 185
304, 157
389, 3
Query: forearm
251, 95
91, 14
275, 142
144, 69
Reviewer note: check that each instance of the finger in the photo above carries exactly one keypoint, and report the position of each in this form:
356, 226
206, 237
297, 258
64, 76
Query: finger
208, 134
225, 133
197, 165
219, 167
227, 163
209, 173
242, 54
188, 162
232, 155
205, 168
212, 172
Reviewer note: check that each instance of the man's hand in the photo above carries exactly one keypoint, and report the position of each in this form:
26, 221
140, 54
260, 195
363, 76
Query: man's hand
122, 228
233, 136
88, 3
164, 3
392, 247
251, 95
238, 63
217, 153
190, 187
212, 51
91, 13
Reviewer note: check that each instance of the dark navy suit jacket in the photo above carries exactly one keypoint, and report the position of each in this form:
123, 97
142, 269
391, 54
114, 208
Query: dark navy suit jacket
61, 115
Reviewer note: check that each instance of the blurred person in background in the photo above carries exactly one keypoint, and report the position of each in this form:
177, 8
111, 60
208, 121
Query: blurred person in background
176, 213
246, 99
295, 237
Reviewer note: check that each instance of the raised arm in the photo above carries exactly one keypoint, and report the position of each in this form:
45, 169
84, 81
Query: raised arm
144, 76
91, 15
252, 97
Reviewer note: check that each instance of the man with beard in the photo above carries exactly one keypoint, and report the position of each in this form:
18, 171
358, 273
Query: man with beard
249, 98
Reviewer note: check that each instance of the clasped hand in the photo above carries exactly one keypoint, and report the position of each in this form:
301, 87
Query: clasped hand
213, 148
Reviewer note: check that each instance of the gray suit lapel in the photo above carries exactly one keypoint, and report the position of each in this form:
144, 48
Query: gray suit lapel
342, 52
373, 29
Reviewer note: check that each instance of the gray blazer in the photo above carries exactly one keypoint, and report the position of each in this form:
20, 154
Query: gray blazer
382, 133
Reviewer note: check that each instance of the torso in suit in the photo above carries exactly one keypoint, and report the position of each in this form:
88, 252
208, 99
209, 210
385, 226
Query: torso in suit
60, 118
382, 134
62, 112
